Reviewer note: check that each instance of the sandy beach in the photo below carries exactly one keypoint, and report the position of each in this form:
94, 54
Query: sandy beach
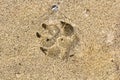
59, 39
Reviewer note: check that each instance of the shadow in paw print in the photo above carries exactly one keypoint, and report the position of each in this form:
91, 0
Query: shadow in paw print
44, 50
68, 29
44, 25
38, 35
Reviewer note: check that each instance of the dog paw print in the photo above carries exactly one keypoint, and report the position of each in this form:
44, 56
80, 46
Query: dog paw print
57, 41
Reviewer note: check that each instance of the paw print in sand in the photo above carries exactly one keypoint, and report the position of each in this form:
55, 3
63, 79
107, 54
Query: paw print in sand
57, 41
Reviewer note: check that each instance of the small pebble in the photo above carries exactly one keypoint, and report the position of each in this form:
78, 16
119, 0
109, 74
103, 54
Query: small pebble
54, 8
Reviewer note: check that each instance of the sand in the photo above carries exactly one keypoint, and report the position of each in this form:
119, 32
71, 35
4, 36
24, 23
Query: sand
89, 52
